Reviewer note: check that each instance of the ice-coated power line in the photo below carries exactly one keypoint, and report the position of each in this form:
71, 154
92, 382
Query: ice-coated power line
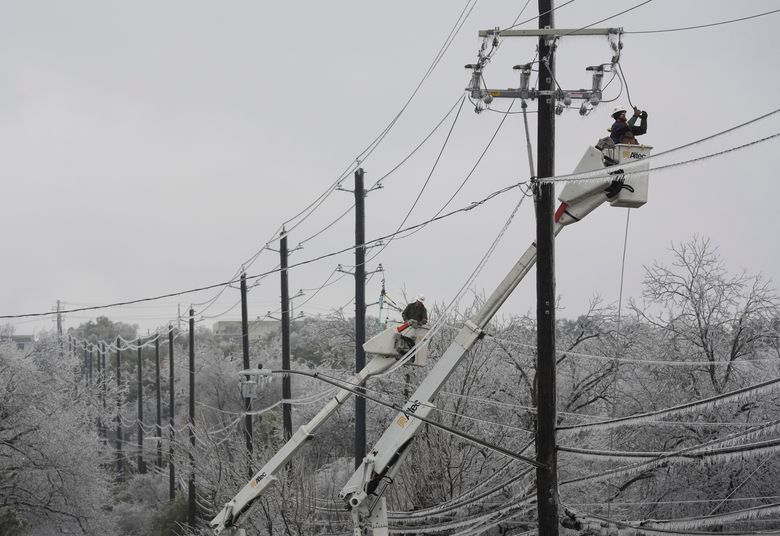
711, 402
638, 361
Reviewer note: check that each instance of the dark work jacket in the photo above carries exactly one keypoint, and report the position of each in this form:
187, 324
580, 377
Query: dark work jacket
619, 129
415, 311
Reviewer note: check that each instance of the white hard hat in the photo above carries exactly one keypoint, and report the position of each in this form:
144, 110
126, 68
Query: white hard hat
421, 297
617, 109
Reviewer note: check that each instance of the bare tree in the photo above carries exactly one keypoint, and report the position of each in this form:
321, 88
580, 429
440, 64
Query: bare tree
707, 313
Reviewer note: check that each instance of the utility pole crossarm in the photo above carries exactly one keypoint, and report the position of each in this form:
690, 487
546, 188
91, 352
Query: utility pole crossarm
551, 32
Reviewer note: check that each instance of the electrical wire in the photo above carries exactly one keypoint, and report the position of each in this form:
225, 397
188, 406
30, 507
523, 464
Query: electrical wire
745, 481
437, 408
639, 527
537, 17
425, 184
419, 145
610, 17
602, 175
592, 175
755, 389
387, 174
682, 363
362, 156
710, 25
396, 407
661, 459
625, 84
473, 168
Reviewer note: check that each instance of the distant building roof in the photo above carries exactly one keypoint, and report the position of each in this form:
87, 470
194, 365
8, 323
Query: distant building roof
23, 343
257, 328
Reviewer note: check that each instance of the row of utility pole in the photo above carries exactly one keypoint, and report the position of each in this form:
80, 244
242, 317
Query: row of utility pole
360, 359
102, 352
544, 196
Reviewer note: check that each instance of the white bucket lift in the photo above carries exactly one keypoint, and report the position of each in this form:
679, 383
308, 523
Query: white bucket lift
397, 340
634, 192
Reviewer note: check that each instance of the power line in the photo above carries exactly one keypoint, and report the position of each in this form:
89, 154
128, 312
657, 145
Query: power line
537, 17
670, 363
606, 174
427, 180
474, 167
657, 462
642, 527
387, 174
592, 175
314, 205
608, 18
704, 25
424, 140
710, 402
438, 408
396, 407
467, 208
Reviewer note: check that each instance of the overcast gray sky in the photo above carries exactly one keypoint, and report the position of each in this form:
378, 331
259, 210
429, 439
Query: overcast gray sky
152, 147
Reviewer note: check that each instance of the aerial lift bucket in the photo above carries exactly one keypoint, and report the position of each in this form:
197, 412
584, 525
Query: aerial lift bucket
634, 191
397, 339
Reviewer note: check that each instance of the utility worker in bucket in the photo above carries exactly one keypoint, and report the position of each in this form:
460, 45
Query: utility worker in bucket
416, 311
625, 131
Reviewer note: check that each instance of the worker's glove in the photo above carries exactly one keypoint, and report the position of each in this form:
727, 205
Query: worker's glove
643, 115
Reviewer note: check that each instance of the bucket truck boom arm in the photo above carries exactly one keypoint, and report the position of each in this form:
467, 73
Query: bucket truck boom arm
386, 347
239, 505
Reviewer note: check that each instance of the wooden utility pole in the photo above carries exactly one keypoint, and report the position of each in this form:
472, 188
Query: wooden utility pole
286, 384
191, 426
360, 312
99, 351
245, 354
102, 359
140, 423
171, 419
59, 327
158, 393
120, 459
544, 198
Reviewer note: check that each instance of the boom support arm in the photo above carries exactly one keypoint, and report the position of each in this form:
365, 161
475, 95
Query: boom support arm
243, 501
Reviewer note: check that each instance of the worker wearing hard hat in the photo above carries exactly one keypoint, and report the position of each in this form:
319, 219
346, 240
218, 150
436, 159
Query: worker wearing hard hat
416, 311
625, 131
